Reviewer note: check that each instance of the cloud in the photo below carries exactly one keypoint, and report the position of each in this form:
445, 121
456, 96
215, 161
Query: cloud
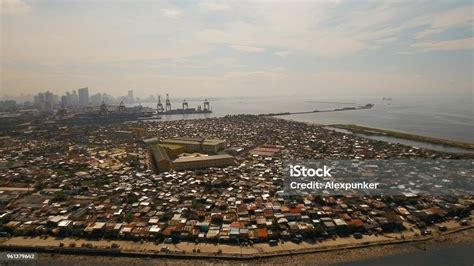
247, 49
213, 6
456, 18
291, 27
317, 29
171, 13
313, 28
458, 44
127, 20
110, 48
14, 7
385, 40
283, 53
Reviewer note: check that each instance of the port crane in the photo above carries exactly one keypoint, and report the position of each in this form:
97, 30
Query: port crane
185, 105
206, 105
159, 106
167, 103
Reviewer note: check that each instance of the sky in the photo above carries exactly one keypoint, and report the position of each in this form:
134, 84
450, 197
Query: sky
238, 48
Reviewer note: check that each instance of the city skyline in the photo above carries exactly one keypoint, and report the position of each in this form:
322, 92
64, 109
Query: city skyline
213, 48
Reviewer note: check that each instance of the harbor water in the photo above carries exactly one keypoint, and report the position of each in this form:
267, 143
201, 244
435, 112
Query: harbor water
443, 117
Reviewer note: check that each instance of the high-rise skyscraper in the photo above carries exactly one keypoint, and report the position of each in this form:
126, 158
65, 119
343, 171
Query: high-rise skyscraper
130, 98
45, 102
64, 101
74, 99
96, 99
83, 96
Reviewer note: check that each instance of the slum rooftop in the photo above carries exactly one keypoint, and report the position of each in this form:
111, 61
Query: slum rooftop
91, 179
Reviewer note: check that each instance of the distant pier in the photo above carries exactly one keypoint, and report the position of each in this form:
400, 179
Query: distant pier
367, 106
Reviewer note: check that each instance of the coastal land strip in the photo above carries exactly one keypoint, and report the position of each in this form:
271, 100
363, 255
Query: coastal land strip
365, 107
328, 252
357, 129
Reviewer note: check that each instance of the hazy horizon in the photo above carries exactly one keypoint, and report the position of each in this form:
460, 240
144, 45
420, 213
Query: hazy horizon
222, 49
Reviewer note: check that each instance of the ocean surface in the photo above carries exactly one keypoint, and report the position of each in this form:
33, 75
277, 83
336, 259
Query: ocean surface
443, 117
458, 255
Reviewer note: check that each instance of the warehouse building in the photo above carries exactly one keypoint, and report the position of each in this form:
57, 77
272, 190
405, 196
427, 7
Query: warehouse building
191, 145
213, 146
188, 153
173, 150
161, 159
199, 162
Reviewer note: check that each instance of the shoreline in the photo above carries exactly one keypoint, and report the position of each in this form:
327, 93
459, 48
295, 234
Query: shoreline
258, 251
328, 257
374, 131
403, 135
